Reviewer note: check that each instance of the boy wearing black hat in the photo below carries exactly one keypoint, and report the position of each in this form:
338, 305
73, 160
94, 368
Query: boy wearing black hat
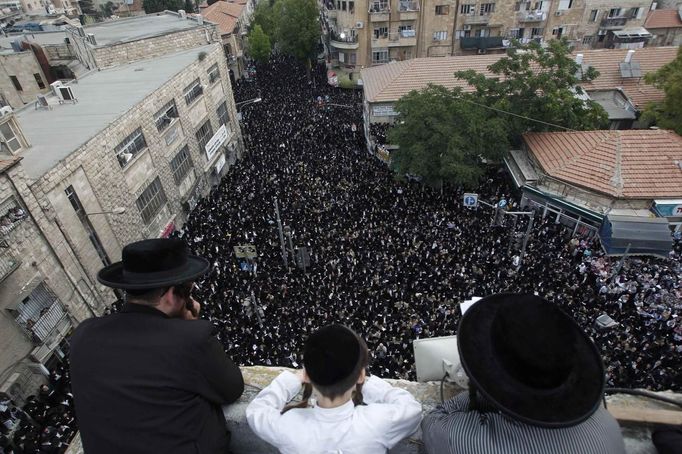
536, 385
152, 378
346, 417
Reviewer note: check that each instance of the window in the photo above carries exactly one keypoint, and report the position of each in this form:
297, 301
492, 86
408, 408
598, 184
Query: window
130, 146
614, 12
343, 5
164, 116
40, 313
443, 10
204, 134
462, 33
193, 91
181, 164
87, 225
593, 15
487, 8
223, 116
9, 137
213, 73
515, 33
351, 7
380, 56
635, 13
383, 111
466, 9
39, 81
565, 4
440, 36
16, 83
482, 33
353, 59
587, 40
151, 201
537, 32
378, 6
380, 32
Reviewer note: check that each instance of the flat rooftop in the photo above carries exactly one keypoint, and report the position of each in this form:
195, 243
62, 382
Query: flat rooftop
102, 98
139, 27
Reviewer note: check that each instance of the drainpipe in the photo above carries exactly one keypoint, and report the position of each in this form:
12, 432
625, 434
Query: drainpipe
454, 27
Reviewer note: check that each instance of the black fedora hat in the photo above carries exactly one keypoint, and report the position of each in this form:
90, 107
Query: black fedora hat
531, 360
153, 263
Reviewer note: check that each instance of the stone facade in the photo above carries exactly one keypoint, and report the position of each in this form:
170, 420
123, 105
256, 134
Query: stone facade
363, 33
25, 68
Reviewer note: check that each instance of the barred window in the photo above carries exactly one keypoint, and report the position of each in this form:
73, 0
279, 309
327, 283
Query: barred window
213, 73
164, 116
204, 134
151, 200
193, 91
130, 146
223, 117
181, 164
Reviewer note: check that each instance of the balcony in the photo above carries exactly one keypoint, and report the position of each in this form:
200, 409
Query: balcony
477, 20
614, 22
482, 43
408, 10
8, 263
379, 11
404, 38
380, 40
331, 13
343, 41
53, 322
532, 16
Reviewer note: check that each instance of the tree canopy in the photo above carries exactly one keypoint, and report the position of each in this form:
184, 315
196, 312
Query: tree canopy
538, 83
259, 44
667, 113
444, 138
155, 6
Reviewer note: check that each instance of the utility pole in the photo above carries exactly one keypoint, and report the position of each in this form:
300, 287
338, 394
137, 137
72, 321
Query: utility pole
281, 235
287, 232
525, 238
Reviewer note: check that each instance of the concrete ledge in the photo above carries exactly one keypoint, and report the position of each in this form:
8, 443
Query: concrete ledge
637, 415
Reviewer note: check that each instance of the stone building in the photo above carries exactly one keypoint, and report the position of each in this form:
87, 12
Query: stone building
231, 20
23, 77
666, 27
362, 33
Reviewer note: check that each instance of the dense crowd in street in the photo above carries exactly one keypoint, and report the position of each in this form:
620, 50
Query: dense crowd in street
392, 259
45, 424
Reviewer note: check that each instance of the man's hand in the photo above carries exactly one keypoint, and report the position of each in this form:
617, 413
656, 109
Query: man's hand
193, 312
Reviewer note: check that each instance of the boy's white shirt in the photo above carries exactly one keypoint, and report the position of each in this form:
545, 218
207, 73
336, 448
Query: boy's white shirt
391, 414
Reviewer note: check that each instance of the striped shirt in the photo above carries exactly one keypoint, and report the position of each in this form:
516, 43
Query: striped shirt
451, 428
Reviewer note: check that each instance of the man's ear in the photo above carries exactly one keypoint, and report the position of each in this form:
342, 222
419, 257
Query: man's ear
362, 377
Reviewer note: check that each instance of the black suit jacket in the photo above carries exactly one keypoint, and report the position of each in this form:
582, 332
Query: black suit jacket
146, 383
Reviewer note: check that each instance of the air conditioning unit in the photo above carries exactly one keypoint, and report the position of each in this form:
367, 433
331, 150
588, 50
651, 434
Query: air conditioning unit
467, 27
55, 86
64, 93
359, 24
558, 13
91, 39
182, 13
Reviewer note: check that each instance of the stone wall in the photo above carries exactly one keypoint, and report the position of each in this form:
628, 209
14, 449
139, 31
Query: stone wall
244, 441
22, 65
102, 185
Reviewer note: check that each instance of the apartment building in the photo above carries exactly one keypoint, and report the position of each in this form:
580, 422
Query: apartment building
363, 33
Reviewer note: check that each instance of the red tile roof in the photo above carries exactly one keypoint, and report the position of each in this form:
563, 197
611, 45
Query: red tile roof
663, 18
389, 82
641, 164
224, 15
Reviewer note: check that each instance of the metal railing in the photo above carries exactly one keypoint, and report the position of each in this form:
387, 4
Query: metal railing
347, 38
406, 6
8, 263
614, 21
532, 16
49, 320
379, 7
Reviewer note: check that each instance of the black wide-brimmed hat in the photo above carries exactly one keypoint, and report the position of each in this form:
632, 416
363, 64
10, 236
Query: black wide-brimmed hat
531, 360
155, 263
332, 354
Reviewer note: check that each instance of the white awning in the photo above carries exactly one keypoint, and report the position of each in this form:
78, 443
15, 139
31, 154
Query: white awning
637, 32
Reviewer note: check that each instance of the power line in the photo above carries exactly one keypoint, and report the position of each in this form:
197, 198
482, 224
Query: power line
517, 115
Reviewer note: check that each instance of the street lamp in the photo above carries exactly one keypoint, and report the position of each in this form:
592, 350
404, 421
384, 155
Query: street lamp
254, 100
116, 211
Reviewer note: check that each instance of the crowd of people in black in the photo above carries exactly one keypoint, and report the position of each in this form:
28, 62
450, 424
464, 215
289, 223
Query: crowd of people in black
391, 258
45, 424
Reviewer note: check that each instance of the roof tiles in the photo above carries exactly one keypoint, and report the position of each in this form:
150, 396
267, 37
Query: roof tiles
224, 15
663, 18
624, 164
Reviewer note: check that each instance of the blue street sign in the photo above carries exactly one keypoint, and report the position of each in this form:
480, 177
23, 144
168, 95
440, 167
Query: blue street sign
502, 203
470, 200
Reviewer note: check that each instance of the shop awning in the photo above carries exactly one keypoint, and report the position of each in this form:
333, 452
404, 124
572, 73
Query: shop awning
645, 236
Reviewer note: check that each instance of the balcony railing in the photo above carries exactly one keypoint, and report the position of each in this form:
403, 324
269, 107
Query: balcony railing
478, 19
53, 319
408, 6
614, 21
343, 41
402, 38
532, 16
379, 7
8, 263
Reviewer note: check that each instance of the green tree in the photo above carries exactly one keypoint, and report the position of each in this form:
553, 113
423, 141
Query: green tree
88, 8
667, 113
539, 83
267, 15
189, 7
444, 138
259, 44
298, 32
107, 9
155, 6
